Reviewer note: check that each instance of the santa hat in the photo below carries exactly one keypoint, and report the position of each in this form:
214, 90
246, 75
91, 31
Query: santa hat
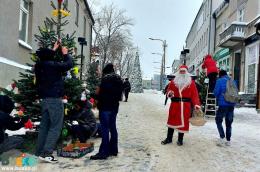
183, 67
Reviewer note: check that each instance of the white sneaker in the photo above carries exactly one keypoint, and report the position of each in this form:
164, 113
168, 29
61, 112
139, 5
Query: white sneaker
220, 142
49, 159
228, 143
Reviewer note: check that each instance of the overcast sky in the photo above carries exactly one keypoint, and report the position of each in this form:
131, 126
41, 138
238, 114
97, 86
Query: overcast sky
169, 20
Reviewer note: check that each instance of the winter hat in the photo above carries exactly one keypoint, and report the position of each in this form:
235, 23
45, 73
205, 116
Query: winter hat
183, 67
109, 68
222, 73
6, 104
45, 54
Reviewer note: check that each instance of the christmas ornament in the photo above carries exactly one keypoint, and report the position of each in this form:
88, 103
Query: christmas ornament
92, 101
20, 113
64, 132
13, 85
22, 108
65, 99
83, 96
28, 124
66, 111
60, 1
23, 155
75, 70
68, 75
19, 161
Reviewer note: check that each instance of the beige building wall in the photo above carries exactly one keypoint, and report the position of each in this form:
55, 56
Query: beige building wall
230, 13
12, 50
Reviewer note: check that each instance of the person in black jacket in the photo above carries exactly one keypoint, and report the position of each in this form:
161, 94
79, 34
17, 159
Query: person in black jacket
86, 123
127, 88
108, 95
50, 85
10, 123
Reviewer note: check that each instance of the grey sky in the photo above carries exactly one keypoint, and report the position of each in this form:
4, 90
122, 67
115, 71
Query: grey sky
164, 19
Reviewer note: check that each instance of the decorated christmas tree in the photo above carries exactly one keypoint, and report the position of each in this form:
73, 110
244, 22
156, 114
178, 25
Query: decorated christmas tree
202, 87
93, 77
26, 98
136, 77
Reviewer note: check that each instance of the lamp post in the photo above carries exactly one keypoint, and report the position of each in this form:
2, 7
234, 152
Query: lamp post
82, 41
257, 25
163, 60
161, 73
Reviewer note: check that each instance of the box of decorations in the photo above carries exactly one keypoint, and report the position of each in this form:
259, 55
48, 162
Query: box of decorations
75, 150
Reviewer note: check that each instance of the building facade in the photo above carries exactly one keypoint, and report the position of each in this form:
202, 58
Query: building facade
19, 21
236, 43
199, 39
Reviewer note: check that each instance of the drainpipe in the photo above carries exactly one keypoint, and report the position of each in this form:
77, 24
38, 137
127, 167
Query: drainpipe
210, 27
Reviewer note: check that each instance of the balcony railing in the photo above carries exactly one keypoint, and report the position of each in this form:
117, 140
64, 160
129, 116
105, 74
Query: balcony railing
233, 35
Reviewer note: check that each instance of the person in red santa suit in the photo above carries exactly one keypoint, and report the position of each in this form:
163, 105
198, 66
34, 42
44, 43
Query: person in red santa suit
184, 95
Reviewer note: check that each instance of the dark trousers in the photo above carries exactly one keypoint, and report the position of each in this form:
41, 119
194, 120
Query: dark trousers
52, 111
109, 145
11, 142
212, 81
126, 95
80, 132
228, 113
170, 135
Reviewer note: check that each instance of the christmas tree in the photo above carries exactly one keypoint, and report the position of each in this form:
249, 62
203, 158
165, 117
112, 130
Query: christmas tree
93, 77
202, 88
26, 98
136, 77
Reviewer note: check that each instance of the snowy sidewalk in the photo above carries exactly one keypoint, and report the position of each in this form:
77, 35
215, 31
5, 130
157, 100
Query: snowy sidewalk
141, 127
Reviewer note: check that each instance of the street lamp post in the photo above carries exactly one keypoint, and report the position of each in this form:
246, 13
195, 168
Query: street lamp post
82, 41
163, 60
161, 73
257, 25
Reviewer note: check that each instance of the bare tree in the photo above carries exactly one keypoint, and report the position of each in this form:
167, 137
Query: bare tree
111, 28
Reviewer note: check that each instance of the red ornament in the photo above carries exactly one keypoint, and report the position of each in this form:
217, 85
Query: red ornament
22, 109
92, 101
13, 85
28, 124
65, 97
60, 1
23, 155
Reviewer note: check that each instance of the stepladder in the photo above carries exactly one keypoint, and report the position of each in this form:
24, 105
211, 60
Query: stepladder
211, 103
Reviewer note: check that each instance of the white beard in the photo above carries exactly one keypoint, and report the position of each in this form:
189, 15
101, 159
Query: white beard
182, 80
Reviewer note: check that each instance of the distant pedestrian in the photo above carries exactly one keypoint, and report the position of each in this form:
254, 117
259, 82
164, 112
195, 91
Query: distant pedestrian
50, 84
183, 93
212, 71
126, 88
108, 95
225, 109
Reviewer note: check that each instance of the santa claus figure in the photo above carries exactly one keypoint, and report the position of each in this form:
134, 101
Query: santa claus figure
184, 96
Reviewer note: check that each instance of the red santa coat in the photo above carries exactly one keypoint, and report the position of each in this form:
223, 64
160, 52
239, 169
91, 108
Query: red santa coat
180, 112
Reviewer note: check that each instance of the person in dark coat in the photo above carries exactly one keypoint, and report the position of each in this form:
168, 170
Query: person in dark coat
50, 85
86, 123
127, 88
10, 123
108, 96
212, 71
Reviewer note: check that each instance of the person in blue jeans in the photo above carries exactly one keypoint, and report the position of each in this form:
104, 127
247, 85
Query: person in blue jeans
225, 110
108, 95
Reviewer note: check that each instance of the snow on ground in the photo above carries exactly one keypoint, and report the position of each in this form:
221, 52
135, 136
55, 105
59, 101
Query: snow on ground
141, 127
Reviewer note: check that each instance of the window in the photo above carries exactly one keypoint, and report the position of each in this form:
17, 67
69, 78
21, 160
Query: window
84, 27
77, 13
23, 20
240, 14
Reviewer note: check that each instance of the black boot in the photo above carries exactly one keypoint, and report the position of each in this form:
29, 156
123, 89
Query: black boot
169, 137
180, 139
